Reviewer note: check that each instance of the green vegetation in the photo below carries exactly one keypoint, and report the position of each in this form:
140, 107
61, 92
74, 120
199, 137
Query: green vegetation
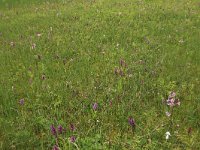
60, 58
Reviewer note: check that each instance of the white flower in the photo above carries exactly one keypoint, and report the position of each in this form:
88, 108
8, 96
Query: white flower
33, 46
168, 114
39, 34
167, 135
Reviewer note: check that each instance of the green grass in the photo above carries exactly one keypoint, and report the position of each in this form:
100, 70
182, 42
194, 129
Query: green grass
73, 66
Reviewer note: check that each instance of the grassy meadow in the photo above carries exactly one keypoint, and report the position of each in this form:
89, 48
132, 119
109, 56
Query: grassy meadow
99, 74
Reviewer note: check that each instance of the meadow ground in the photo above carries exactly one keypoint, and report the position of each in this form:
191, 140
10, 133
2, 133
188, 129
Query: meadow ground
97, 74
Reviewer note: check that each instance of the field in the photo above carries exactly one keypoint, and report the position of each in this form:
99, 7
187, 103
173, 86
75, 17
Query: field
99, 74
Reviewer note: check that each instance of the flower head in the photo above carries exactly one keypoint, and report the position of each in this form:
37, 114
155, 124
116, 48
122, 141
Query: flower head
172, 95
60, 129
39, 34
172, 101
33, 46
72, 127
167, 135
53, 130
95, 106
122, 63
72, 139
168, 114
131, 121
12, 43
55, 147
21, 101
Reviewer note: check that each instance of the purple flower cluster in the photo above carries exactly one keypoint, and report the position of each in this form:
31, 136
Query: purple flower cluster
60, 130
57, 131
172, 101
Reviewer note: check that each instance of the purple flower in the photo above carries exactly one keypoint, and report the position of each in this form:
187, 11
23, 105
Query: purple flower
55, 147
21, 101
53, 130
72, 139
172, 101
131, 121
72, 127
60, 129
95, 105
172, 95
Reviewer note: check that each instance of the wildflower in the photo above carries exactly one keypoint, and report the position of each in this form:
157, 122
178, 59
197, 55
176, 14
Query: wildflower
181, 41
55, 147
172, 101
168, 114
60, 129
21, 101
33, 46
43, 77
122, 63
110, 103
53, 130
121, 72
172, 95
39, 34
95, 105
12, 44
131, 121
189, 130
72, 139
167, 135
177, 102
72, 127
116, 71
